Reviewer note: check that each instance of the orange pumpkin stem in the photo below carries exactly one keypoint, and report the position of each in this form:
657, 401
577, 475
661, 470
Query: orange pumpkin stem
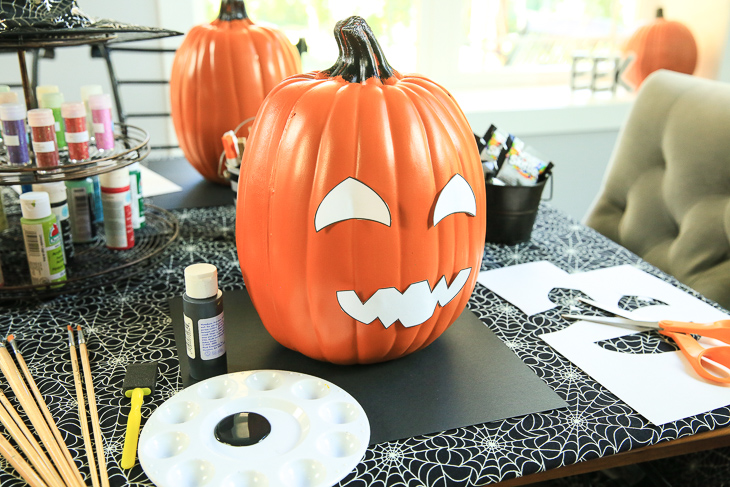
361, 56
232, 10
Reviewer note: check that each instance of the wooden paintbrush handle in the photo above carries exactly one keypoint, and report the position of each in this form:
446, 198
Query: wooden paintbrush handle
83, 419
22, 467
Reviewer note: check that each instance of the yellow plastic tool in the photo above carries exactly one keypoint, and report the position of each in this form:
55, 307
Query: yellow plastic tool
139, 382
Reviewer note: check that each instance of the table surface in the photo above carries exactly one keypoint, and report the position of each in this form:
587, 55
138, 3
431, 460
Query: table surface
128, 321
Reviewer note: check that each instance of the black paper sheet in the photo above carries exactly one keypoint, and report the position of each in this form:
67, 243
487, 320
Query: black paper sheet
467, 376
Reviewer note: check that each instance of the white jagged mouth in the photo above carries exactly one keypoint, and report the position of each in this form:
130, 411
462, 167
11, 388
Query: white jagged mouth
412, 307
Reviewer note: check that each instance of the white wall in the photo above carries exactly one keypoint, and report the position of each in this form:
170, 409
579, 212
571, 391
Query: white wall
576, 131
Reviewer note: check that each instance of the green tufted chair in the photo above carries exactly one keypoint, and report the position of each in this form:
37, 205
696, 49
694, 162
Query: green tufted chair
666, 192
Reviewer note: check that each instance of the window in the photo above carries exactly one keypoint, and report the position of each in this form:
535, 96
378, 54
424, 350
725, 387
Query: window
459, 43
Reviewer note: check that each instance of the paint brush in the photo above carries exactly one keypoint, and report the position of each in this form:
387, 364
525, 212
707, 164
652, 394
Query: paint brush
93, 412
82, 409
19, 464
139, 382
43, 407
15, 380
32, 451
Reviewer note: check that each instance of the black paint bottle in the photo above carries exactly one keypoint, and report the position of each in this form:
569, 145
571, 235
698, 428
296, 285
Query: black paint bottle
205, 337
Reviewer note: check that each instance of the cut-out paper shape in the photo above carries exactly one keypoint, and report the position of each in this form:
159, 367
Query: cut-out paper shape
527, 287
412, 307
662, 387
351, 199
456, 197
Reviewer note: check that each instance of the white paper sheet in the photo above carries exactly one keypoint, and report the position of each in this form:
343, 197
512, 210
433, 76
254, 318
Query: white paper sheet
526, 285
154, 185
662, 387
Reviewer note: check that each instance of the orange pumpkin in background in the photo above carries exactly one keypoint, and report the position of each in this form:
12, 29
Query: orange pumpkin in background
361, 208
661, 44
220, 75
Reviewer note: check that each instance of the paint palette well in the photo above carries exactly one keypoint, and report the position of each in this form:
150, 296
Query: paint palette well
263, 427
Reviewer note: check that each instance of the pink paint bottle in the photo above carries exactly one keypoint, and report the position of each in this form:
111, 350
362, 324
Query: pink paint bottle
77, 137
101, 115
43, 132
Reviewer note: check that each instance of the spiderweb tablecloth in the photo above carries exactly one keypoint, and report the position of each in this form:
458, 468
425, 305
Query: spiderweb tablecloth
128, 322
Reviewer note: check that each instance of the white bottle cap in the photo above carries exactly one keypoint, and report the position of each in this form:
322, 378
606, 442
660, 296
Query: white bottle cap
51, 100
88, 90
201, 281
43, 89
12, 111
8, 97
40, 117
35, 205
101, 101
73, 110
56, 191
115, 179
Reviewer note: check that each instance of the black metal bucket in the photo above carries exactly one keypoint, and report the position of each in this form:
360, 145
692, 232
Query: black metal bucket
511, 212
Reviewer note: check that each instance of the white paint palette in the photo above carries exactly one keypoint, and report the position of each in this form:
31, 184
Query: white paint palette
318, 433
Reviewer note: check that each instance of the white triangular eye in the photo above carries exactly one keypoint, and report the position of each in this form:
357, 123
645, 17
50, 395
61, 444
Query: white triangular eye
351, 199
456, 197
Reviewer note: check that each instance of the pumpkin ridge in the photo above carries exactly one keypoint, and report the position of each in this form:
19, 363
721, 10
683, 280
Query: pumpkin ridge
345, 101
445, 110
263, 39
429, 114
341, 93
400, 346
253, 96
365, 104
279, 169
200, 105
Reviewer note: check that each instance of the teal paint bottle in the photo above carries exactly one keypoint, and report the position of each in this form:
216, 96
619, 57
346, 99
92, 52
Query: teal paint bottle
43, 239
81, 209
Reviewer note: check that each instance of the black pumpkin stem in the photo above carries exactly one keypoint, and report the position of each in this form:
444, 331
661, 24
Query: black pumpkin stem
232, 10
360, 57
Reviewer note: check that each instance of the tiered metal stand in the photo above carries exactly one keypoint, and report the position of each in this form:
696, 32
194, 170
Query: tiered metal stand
93, 265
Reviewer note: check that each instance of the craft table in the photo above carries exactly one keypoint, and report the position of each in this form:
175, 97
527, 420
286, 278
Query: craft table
128, 321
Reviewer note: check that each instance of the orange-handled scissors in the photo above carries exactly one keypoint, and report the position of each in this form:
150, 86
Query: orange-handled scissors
681, 332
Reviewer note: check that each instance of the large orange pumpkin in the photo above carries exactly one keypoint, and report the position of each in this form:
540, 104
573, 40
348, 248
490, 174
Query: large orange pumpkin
220, 75
361, 208
660, 44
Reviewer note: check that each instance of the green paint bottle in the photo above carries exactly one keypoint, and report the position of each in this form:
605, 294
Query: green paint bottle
43, 239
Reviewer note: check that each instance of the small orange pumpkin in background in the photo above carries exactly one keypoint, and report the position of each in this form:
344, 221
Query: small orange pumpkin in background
660, 44
361, 208
220, 75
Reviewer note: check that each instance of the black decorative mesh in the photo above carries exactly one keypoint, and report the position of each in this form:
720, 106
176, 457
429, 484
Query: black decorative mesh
25, 21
